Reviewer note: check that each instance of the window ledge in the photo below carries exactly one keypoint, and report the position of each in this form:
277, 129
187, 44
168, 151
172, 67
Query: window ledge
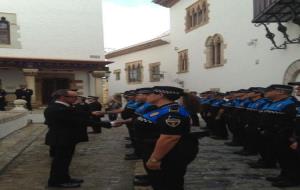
182, 72
194, 27
213, 66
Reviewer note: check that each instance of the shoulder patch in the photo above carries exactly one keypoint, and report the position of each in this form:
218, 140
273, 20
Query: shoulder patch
154, 114
173, 122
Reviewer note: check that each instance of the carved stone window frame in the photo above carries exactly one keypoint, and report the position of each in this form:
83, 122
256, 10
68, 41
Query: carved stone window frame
153, 78
117, 73
134, 72
197, 15
14, 33
4, 31
183, 61
214, 51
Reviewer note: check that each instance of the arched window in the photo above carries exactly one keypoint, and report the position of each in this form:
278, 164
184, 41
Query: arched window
214, 51
183, 61
200, 17
4, 31
196, 15
218, 49
195, 18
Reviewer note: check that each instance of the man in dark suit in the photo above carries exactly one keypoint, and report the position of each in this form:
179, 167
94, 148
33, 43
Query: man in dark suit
2, 99
66, 128
24, 93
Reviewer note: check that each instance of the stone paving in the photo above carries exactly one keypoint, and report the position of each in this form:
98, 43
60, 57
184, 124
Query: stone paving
217, 168
100, 162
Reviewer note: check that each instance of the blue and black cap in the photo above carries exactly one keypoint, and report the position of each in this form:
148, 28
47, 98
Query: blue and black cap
257, 89
171, 92
281, 87
130, 93
144, 90
294, 83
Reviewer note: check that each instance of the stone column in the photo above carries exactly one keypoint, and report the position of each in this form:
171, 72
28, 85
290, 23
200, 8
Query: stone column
30, 82
99, 83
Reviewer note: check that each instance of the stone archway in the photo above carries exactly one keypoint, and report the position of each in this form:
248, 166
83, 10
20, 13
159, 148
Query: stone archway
292, 73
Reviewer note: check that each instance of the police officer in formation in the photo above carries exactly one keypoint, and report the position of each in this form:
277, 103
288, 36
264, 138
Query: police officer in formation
261, 120
162, 135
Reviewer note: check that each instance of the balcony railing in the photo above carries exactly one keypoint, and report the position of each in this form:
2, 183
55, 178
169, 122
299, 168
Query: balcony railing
266, 11
277, 11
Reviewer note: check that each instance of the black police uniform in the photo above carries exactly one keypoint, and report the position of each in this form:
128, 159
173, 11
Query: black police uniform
276, 126
2, 99
170, 119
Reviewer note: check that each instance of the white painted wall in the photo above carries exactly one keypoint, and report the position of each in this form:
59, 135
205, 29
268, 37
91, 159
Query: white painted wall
246, 65
153, 55
232, 19
68, 29
11, 79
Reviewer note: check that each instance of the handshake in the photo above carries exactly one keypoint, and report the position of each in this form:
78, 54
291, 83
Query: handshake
117, 123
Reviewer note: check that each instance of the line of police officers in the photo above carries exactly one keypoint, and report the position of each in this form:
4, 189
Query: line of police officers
264, 121
160, 132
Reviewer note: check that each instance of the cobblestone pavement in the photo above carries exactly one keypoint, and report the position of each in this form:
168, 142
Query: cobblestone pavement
217, 168
99, 162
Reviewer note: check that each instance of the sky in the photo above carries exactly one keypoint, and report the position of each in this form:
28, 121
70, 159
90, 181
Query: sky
128, 22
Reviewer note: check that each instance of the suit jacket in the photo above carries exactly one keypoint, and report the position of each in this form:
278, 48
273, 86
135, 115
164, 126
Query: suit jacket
67, 126
95, 106
24, 94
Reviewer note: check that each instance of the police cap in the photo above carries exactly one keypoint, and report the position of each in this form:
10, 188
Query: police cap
144, 90
282, 87
257, 89
171, 92
130, 93
294, 83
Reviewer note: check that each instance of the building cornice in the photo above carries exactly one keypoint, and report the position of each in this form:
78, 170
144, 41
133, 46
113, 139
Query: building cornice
138, 47
40, 63
165, 3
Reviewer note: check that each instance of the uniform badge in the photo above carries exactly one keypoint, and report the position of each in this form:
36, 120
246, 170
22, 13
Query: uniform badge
173, 122
154, 114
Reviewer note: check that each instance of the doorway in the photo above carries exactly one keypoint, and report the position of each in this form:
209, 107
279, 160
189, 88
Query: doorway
49, 85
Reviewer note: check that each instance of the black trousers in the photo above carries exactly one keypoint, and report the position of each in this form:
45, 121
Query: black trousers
171, 175
62, 158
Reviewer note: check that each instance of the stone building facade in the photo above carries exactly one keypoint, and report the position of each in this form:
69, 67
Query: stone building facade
219, 45
52, 44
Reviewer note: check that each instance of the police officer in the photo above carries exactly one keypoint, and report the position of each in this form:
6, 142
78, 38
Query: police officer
94, 105
251, 117
216, 121
141, 107
2, 99
167, 144
276, 125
